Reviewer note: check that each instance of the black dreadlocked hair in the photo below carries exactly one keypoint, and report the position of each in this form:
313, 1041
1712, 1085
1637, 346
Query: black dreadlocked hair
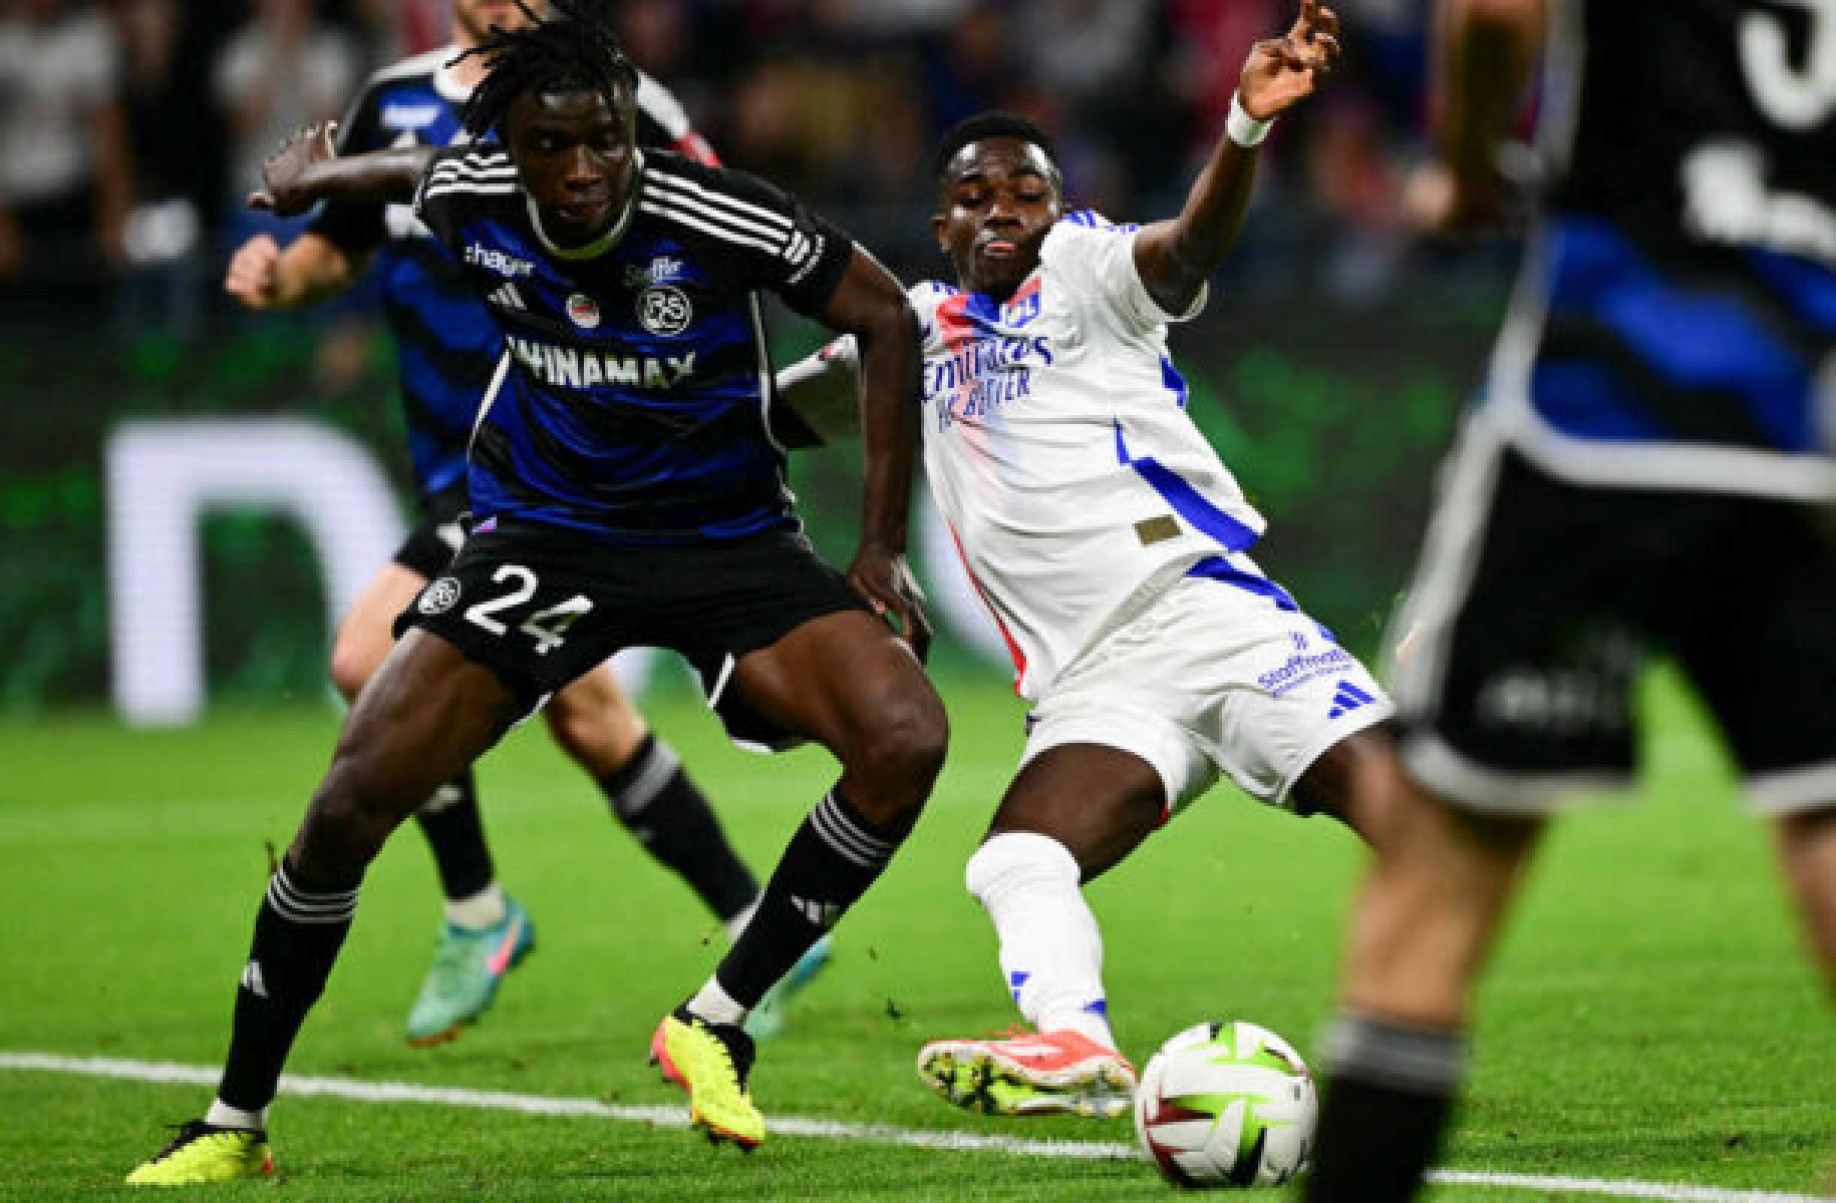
573, 49
983, 126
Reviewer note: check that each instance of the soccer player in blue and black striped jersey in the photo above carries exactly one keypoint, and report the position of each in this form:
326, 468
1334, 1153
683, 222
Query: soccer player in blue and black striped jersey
447, 345
627, 491
1649, 468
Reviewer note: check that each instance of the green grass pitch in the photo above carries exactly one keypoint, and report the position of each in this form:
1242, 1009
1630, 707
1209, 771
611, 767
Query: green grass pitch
1649, 1017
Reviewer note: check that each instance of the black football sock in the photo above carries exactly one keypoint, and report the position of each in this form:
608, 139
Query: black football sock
829, 863
654, 798
1388, 1096
298, 932
455, 833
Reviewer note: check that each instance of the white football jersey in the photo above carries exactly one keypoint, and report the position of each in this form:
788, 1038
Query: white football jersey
1059, 449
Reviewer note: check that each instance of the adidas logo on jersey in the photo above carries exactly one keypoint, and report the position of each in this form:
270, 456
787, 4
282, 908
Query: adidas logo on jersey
508, 297
252, 980
1346, 698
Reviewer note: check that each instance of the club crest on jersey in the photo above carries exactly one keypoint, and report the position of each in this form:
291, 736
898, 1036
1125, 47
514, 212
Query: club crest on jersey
1022, 309
664, 310
583, 311
439, 597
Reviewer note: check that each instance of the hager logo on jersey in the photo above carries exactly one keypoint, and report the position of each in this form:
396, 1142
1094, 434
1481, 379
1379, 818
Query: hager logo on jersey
494, 260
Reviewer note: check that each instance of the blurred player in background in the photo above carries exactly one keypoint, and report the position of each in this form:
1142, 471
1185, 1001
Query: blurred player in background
447, 346
628, 492
1648, 470
65, 178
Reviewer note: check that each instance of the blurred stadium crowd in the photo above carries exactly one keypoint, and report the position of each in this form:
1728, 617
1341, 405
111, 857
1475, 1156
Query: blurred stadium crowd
131, 130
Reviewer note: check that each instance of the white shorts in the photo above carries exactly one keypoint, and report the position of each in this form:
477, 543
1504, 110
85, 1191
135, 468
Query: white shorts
1212, 679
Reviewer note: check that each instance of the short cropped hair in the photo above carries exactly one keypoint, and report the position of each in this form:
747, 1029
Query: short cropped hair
983, 126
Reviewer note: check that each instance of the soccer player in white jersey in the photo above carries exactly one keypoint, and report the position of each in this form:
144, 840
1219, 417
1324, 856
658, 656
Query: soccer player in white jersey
1110, 544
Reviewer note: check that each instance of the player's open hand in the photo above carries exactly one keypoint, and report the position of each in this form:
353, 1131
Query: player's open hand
882, 577
1282, 71
286, 176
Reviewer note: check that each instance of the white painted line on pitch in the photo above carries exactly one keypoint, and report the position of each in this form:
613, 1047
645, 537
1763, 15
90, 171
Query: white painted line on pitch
535, 1104
674, 1117
1618, 1188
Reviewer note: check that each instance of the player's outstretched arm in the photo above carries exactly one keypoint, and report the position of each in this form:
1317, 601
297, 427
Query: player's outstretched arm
869, 304
307, 170
1175, 257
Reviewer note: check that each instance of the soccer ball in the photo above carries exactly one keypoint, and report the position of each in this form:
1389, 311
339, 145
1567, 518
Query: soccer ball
1226, 1104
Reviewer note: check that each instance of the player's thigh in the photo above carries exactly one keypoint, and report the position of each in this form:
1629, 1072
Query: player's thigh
848, 682
1358, 780
429, 711
427, 714
788, 651
366, 633
1099, 801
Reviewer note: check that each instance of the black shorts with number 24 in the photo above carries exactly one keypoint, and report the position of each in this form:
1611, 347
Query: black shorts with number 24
540, 605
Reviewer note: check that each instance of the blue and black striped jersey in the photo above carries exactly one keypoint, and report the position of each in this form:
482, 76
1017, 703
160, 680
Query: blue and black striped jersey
447, 344
1676, 325
631, 400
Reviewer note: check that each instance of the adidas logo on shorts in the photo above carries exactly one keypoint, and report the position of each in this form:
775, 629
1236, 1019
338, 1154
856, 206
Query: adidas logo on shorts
1346, 698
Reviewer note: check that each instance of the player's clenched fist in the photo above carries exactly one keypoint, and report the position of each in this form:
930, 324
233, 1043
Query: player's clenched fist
253, 277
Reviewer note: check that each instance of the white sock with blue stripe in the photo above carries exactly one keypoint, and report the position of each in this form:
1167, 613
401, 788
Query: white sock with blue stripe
1051, 948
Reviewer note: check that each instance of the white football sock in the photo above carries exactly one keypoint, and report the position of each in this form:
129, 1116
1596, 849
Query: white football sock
1051, 949
486, 908
715, 1005
222, 1115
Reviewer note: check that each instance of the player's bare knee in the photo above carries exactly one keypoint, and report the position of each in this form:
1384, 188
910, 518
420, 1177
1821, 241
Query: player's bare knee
901, 754
351, 665
573, 729
601, 738
338, 838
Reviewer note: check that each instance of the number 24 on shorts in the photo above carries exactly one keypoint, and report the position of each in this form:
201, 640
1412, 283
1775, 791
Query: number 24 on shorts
547, 627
